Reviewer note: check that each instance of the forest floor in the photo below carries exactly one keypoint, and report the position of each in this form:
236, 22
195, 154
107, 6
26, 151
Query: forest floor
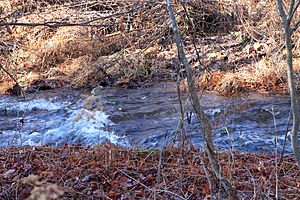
110, 172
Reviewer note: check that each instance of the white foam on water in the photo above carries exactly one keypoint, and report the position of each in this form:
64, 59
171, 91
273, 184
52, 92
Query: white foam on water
76, 126
41, 104
82, 127
212, 111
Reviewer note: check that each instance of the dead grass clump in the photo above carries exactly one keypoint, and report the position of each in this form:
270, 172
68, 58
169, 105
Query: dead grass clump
39, 53
133, 65
117, 69
261, 76
80, 71
230, 85
139, 46
8, 7
265, 75
5, 6
209, 80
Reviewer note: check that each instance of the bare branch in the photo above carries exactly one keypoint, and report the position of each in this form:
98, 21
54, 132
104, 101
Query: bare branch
285, 137
115, 15
289, 15
61, 24
288, 30
17, 85
9, 74
281, 10
294, 10
205, 123
54, 24
296, 26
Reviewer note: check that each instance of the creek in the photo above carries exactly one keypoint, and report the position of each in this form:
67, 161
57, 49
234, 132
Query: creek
145, 117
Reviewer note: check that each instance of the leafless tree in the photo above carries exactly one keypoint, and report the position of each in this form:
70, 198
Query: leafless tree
205, 123
287, 15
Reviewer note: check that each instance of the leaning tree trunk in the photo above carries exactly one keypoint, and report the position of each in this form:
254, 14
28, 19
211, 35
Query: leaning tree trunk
205, 123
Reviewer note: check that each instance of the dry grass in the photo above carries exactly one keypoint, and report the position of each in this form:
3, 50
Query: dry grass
263, 76
130, 54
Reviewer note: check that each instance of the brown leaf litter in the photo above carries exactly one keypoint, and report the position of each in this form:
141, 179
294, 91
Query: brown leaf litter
110, 172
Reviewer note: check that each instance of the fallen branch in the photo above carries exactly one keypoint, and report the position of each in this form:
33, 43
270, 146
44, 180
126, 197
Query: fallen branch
62, 24
54, 24
152, 190
18, 88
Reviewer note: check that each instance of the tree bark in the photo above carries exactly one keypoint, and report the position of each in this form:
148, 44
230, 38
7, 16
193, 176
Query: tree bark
293, 94
288, 31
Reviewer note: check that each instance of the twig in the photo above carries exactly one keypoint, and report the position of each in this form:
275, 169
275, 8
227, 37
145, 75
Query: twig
288, 33
276, 154
294, 10
17, 85
181, 128
108, 197
253, 182
167, 191
262, 194
207, 176
53, 24
161, 151
9, 74
152, 190
142, 184
194, 39
285, 137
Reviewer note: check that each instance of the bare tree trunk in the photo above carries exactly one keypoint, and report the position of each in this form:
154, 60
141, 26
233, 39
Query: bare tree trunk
205, 123
288, 30
294, 100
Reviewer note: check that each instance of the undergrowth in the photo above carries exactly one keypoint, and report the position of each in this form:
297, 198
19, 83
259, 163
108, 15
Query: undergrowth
239, 43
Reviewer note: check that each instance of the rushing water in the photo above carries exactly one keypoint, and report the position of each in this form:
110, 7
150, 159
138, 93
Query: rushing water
147, 117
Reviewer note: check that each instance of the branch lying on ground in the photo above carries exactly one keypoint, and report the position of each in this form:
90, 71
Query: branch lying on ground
9, 74
17, 87
60, 24
54, 24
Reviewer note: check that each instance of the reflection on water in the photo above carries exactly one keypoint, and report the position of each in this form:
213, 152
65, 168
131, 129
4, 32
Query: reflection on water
147, 117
